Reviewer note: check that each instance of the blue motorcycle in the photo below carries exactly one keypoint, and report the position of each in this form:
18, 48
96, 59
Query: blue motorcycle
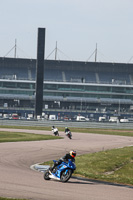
62, 172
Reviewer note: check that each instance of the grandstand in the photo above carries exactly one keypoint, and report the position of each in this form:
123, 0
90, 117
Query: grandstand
69, 86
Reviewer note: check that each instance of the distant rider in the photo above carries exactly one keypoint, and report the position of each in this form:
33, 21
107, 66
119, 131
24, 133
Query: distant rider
67, 130
71, 155
55, 130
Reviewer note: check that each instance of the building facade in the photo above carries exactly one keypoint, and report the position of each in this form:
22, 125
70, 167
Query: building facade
69, 86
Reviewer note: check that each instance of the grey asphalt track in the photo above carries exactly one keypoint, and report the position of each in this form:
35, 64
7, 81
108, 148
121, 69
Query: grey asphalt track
18, 180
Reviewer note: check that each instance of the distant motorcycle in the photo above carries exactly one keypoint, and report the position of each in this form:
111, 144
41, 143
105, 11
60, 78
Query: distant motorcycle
55, 131
69, 134
62, 172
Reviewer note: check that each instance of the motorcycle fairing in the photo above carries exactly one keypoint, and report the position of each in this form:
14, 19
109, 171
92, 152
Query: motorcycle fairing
62, 167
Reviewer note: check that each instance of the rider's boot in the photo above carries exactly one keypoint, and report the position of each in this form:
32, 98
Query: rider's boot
50, 170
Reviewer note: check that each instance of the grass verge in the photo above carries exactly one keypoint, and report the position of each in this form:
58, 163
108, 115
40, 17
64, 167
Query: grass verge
6, 136
2, 198
119, 132
114, 166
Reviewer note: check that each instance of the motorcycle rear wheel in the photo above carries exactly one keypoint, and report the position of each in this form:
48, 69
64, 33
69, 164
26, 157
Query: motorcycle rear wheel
65, 176
70, 137
56, 134
46, 175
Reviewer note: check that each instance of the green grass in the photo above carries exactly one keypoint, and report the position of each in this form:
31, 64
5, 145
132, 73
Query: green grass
2, 198
27, 127
104, 131
112, 166
6, 136
119, 132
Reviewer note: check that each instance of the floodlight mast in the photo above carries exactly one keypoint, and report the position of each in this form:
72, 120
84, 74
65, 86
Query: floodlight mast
39, 72
96, 53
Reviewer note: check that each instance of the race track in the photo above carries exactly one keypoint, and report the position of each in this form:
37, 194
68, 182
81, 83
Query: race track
18, 180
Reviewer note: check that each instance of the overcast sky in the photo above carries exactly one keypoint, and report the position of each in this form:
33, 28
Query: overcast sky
76, 25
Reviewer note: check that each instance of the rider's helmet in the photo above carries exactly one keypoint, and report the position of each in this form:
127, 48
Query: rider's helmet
53, 126
73, 153
66, 128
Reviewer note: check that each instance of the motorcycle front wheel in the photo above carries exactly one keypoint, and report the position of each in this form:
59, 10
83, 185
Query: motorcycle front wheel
46, 175
66, 175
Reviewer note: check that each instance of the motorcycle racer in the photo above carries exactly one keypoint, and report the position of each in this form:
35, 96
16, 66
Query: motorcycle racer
55, 130
67, 130
71, 155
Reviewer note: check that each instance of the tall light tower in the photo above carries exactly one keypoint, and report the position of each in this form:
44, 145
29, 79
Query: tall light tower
40, 72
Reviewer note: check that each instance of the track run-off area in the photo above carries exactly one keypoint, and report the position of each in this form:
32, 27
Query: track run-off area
18, 180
